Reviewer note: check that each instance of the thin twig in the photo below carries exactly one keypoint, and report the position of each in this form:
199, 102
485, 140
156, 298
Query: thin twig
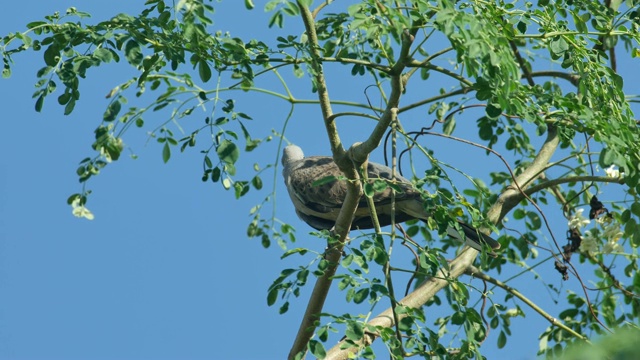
475, 272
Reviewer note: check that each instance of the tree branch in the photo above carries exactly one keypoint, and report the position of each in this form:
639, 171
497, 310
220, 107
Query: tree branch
572, 78
349, 207
415, 299
505, 203
550, 183
475, 272
514, 192
356, 156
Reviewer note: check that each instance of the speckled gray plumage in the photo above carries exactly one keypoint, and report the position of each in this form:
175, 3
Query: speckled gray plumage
319, 205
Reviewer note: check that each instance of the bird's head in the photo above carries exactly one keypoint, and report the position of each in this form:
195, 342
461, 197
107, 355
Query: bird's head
291, 154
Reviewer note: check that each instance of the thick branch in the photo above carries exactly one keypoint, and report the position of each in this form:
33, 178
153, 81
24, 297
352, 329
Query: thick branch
323, 284
357, 155
354, 191
513, 193
415, 299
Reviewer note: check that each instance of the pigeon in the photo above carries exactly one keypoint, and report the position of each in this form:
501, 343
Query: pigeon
319, 205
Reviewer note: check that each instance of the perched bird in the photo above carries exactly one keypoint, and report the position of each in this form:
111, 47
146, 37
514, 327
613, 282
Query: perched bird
319, 205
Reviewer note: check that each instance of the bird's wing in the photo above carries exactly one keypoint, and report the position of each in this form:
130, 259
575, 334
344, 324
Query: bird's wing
324, 200
319, 204
318, 198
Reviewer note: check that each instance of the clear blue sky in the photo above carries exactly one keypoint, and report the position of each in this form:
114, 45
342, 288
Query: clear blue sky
165, 271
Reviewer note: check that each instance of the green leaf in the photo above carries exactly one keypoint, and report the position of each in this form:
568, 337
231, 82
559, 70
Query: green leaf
52, 55
291, 9
412, 230
522, 27
204, 70
284, 308
493, 111
221, 121
323, 334
458, 318
228, 152
249, 4
166, 152
406, 323
568, 314
39, 103
617, 80
133, 52
302, 277
361, 295
34, 24
380, 185
272, 296
368, 190
73, 197
347, 260
207, 162
558, 47
215, 174
534, 220
103, 55
449, 125
635, 240
112, 111
114, 148
241, 188
288, 253
277, 19
518, 214
316, 349
483, 89
64, 98
502, 340
355, 331
256, 182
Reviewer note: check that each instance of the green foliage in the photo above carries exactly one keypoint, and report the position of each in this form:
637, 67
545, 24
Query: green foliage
623, 344
533, 69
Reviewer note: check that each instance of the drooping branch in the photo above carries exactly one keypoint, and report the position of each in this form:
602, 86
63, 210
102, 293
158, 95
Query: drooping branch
551, 183
572, 78
475, 272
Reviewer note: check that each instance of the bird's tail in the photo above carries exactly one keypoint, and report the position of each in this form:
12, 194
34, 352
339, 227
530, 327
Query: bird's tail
472, 237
